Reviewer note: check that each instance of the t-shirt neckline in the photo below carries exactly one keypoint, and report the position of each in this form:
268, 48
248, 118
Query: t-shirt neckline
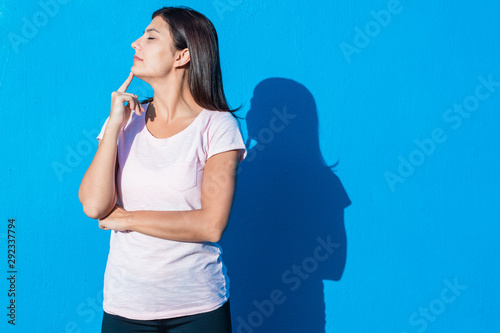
179, 134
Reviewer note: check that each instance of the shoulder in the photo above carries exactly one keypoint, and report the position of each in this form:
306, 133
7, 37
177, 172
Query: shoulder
221, 118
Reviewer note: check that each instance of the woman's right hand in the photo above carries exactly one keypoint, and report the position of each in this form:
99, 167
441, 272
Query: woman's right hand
120, 113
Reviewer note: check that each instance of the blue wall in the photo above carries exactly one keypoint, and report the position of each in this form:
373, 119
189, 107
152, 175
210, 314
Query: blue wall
400, 236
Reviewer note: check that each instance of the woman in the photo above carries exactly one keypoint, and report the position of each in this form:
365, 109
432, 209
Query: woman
162, 180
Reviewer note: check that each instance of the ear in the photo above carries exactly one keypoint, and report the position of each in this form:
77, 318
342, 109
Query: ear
183, 58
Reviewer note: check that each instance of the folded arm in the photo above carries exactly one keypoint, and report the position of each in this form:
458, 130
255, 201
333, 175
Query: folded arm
97, 191
205, 224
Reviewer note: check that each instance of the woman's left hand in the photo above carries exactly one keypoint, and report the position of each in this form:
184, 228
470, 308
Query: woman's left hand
116, 220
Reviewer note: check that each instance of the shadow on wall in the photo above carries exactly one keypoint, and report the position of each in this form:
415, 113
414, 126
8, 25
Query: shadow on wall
286, 232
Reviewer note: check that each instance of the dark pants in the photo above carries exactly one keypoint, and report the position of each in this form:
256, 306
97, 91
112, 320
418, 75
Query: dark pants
216, 321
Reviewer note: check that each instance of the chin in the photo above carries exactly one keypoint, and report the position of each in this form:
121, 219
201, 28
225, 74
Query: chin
135, 72
138, 74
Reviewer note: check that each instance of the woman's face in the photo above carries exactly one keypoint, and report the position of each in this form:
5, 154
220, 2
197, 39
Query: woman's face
156, 51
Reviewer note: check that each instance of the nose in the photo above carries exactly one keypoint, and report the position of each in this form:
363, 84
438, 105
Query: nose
136, 44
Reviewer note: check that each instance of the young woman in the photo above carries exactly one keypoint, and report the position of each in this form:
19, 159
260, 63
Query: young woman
162, 180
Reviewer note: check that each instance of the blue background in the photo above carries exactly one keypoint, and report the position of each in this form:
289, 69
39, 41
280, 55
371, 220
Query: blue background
411, 206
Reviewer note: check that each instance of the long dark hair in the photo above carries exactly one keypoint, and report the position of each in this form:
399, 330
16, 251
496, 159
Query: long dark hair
194, 31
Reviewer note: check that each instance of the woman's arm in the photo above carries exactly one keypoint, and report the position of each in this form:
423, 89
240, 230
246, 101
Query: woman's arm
199, 225
97, 191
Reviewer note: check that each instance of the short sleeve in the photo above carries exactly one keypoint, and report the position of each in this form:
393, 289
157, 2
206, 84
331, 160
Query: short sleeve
101, 133
225, 135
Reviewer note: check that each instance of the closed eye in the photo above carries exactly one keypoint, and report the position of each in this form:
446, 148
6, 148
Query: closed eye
151, 38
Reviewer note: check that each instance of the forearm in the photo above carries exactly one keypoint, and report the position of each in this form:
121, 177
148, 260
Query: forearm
98, 189
206, 224
197, 225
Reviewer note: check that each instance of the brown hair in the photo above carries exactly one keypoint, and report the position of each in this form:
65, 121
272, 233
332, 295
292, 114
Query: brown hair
194, 31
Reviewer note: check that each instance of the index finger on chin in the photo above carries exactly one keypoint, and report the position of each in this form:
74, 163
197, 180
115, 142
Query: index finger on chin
125, 84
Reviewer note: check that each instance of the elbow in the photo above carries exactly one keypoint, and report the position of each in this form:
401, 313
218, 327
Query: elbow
95, 209
214, 237
88, 208
217, 230
93, 212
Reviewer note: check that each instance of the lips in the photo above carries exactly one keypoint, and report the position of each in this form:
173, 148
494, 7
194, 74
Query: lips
137, 58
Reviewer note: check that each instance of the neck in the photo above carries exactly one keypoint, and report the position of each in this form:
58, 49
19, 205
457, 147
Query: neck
173, 98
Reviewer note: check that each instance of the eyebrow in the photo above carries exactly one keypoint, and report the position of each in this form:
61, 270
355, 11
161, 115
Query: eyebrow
151, 29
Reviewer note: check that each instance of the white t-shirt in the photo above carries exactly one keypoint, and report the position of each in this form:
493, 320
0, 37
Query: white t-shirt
152, 278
